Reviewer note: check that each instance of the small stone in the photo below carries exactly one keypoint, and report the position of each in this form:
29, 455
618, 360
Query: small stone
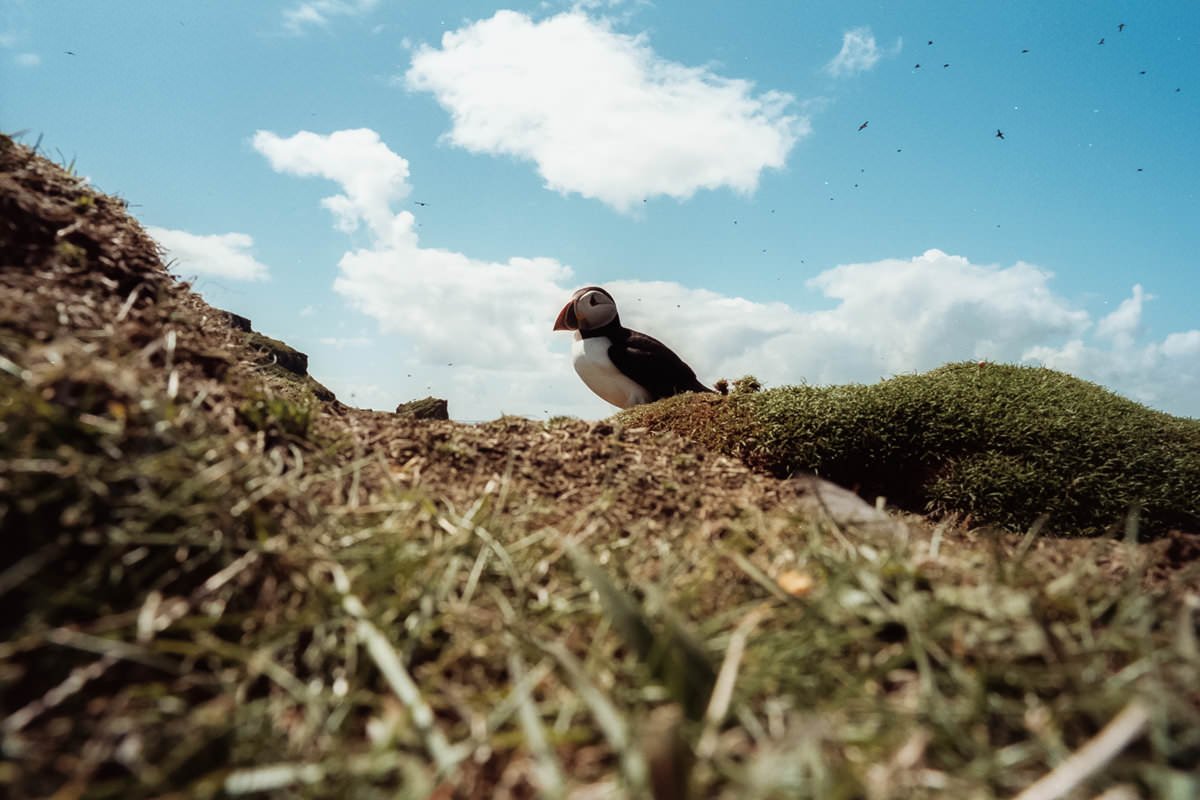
426, 408
796, 583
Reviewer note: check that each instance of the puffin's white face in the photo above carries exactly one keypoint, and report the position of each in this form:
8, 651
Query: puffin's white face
594, 310
588, 309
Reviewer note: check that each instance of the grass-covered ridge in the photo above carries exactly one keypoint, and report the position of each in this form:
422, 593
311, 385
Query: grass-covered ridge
216, 581
998, 443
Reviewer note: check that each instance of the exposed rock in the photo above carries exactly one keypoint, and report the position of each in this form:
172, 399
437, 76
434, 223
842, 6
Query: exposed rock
427, 408
276, 352
238, 322
321, 392
843, 507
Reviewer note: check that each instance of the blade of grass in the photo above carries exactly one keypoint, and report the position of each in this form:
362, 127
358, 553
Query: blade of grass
546, 766
1121, 730
633, 766
402, 683
722, 694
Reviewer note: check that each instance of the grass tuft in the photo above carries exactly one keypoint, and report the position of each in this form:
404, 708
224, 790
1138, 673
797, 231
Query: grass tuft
277, 416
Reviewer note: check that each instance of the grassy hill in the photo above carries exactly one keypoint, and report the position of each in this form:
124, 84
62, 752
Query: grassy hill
995, 443
217, 580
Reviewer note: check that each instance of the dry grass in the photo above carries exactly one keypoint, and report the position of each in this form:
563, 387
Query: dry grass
216, 584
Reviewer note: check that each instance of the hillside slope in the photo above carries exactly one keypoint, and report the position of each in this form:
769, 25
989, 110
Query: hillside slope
218, 580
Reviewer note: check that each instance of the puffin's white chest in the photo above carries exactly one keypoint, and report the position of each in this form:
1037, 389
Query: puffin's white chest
602, 376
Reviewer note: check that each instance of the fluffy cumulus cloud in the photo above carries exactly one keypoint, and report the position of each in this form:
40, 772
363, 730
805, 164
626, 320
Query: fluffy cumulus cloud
479, 331
905, 315
1164, 373
222, 255
599, 112
481, 316
372, 177
317, 13
887, 317
859, 53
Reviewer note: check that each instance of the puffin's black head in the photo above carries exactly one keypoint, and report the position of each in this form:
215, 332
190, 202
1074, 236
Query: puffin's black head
588, 309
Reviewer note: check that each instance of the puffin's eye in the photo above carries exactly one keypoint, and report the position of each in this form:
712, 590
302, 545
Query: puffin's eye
591, 300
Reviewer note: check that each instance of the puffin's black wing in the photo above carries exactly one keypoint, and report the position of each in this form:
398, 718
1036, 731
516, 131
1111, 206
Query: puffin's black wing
652, 364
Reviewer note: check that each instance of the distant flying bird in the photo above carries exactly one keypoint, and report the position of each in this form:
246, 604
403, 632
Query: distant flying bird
930, 41
945, 65
999, 133
1101, 40
864, 125
623, 366
1026, 50
69, 52
1143, 72
918, 66
419, 203
1121, 28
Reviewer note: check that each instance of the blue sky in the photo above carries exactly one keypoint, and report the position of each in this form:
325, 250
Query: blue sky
703, 160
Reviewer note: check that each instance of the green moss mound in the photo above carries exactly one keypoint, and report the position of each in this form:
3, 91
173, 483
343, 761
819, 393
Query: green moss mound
1003, 444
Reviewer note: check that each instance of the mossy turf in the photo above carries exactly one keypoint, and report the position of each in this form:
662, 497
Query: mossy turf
995, 443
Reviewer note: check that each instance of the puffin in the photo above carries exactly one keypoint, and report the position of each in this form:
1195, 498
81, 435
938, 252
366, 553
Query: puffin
625, 367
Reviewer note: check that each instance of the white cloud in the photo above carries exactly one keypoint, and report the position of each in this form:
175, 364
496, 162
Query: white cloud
370, 174
600, 113
480, 330
859, 53
1122, 325
342, 342
908, 315
317, 13
1164, 374
622, 11
597, 5
1182, 345
483, 317
890, 316
27, 59
223, 255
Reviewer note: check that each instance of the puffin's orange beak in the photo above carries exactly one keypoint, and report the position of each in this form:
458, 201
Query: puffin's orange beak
566, 318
